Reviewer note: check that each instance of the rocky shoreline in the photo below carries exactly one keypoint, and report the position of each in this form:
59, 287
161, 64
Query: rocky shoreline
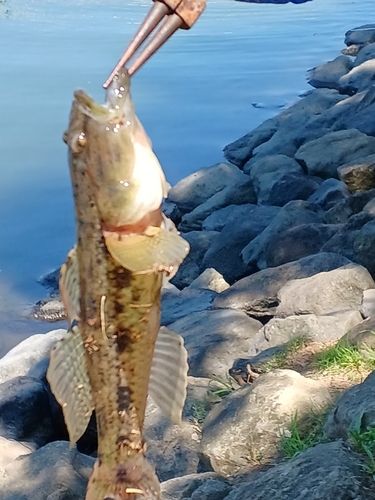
282, 241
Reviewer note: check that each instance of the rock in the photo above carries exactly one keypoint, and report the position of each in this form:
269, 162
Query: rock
227, 334
323, 156
174, 450
358, 113
355, 241
253, 418
361, 336
257, 294
327, 75
50, 309
368, 303
359, 78
10, 450
54, 472
330, 471
240, 193
240, 151
198, 187
330, 192
365, 54
325, 293
199, 242
234, 214
278, 179
225, 252
206, 486
179, 305
359, 175
24, 411
355, 410
291, 187
171, 211
282, 134
278, 331
292, 214
257, 168
351, 50
347, 207
30, 357
298, 242
51, 281
362, 35
210, 279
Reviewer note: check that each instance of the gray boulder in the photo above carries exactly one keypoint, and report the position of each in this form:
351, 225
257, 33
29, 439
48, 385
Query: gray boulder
225, 252
330, 192
284, 133
355, 410
240, 193
206, 486
50, 309
323, 156
277, 165
327, 75
349, 206
361, 336
358, 113
359, 175
54, 472
359, 78
362, 35
292, 187
25, 413
198, 187
257, 294
171, 211
235, 214
30, 357
292, 214
199, 242
368, 303
210, 279
298, 242
325, 292
365, 54
278, 331
214, 338
355, 241
253, 419
330, 471
11, 449
181, 304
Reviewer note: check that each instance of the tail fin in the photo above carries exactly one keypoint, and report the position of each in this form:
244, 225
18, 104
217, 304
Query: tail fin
134, 479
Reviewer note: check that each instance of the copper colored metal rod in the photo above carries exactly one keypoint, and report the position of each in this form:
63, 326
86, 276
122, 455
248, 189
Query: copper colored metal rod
172, 23
158, 11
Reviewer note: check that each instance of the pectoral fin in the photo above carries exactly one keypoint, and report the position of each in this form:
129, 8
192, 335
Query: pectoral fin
68, 378
157, 249
69, 286
168, 379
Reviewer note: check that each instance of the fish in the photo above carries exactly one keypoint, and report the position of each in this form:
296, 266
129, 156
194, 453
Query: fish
114, 352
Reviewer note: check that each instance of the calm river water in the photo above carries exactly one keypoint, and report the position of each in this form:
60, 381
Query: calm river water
238, 66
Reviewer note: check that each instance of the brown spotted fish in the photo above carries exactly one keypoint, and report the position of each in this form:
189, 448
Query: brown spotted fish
115, 353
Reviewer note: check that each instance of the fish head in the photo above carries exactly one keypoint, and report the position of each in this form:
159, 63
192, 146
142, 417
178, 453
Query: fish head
109, 143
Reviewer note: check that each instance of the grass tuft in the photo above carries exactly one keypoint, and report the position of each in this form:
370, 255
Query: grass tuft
222, 387
344, 357
281, 358
364, 443
303, 433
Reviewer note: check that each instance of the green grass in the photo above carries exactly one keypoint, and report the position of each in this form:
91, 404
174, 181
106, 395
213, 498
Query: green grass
281, 358
344, 357
364, 443
303, 433
222, 387
199, 411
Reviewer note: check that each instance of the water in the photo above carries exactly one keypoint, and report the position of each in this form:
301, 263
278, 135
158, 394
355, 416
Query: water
193, 97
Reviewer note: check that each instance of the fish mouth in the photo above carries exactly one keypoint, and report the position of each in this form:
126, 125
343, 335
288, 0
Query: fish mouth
89, 106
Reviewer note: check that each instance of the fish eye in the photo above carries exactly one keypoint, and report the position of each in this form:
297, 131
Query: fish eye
78, 143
